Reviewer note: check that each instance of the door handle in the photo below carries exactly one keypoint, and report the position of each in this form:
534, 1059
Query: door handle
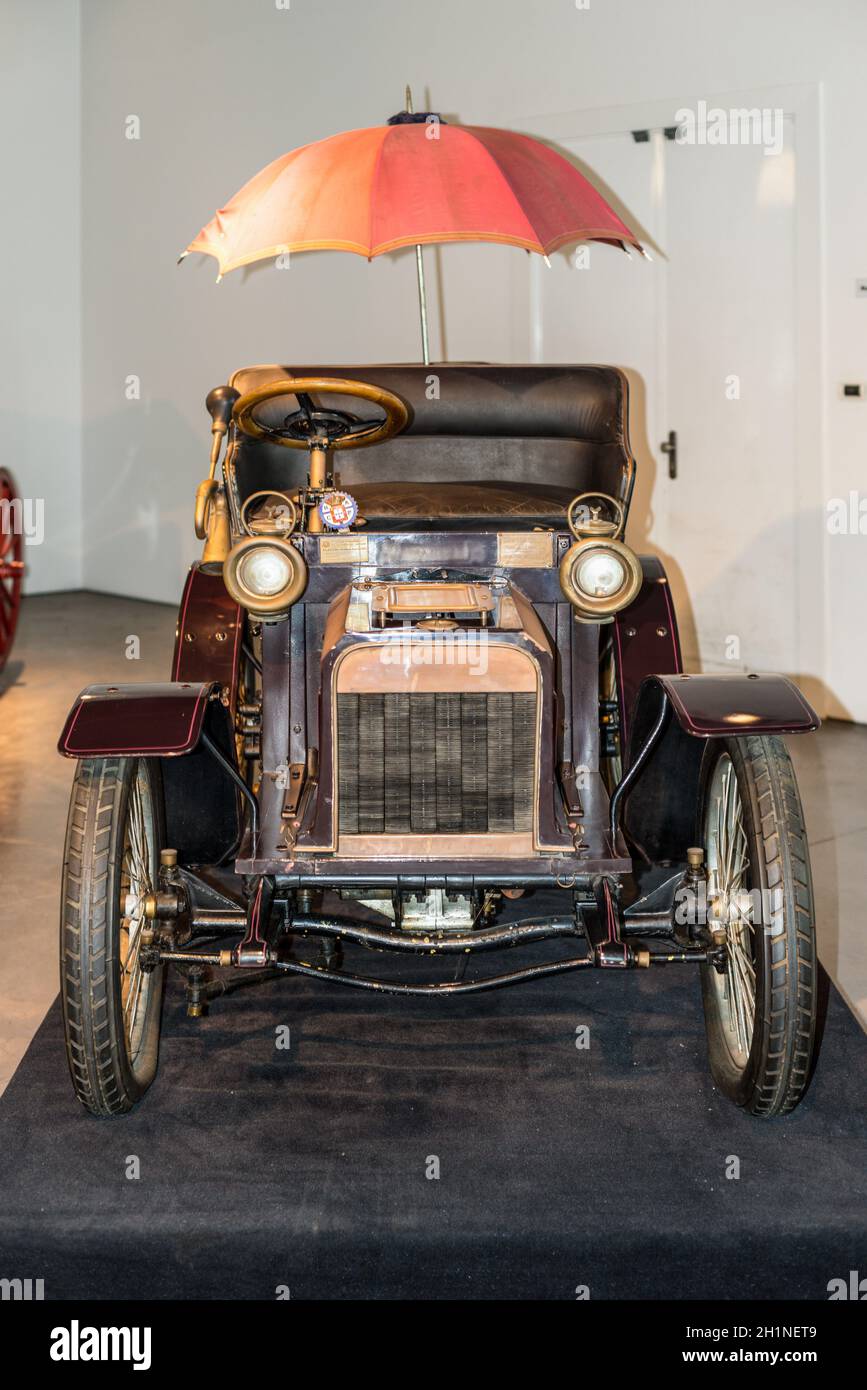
669, 446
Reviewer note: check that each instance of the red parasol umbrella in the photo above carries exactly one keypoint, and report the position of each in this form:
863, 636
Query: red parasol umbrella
415, 180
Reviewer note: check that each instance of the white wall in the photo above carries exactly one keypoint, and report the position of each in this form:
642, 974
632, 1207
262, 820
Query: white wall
40, 279
221, 88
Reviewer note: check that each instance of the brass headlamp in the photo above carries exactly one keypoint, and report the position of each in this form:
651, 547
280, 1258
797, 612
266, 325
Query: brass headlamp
598, 574
266, 575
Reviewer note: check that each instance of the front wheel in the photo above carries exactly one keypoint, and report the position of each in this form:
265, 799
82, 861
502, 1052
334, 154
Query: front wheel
111, 1004
760, 1011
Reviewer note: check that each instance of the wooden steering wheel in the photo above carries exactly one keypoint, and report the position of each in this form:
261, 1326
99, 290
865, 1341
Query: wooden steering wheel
312, 426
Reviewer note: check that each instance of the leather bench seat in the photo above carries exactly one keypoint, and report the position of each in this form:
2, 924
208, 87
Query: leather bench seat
486, 446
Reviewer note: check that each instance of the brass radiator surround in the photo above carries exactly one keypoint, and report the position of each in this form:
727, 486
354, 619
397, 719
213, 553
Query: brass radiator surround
512, 653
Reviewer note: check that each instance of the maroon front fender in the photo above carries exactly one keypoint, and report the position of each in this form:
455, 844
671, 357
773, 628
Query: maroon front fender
660, 813
154, 721
645, 640
210, 632
713, 706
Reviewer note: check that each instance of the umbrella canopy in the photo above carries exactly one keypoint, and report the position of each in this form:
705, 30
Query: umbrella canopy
411, 182
415, 182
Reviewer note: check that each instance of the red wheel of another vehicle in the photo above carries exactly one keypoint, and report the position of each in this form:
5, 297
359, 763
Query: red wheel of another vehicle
11, 565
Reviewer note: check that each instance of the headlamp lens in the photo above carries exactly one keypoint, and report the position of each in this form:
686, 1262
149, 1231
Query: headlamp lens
599, 574
264, 571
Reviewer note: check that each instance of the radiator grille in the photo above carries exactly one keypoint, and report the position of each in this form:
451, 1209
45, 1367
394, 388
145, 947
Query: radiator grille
440, 763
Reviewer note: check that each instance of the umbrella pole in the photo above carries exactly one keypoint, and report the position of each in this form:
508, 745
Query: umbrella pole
422, 305
419, 264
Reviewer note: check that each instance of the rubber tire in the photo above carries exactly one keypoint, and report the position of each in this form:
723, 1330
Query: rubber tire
778, 1069
90, 919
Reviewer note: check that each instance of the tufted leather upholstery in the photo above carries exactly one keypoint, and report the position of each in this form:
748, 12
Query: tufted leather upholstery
516, 442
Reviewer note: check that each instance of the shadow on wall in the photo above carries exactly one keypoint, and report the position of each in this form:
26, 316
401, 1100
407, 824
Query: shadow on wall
639, 531
745, 559
714, 591
141, 465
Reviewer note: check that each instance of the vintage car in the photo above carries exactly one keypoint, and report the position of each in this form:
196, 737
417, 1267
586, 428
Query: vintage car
419, 679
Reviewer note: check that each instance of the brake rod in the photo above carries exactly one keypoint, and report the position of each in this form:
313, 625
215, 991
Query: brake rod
512, 977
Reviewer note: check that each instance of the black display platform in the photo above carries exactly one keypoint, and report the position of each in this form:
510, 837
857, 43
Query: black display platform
559, 1168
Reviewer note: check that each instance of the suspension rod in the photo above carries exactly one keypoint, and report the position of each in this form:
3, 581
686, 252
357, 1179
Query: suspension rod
486, 939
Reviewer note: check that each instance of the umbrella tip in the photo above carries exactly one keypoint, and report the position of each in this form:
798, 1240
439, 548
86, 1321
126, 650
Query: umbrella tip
407, 98
181, 257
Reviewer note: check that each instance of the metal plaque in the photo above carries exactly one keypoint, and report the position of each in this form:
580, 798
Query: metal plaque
342, 550
525, 549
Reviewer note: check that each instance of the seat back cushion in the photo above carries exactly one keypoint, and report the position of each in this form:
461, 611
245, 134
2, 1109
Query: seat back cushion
564, 426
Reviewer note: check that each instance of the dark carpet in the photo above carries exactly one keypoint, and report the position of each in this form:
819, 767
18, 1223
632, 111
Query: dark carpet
558, 1167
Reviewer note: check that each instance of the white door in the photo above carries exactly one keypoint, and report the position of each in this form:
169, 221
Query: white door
706, 334
730, 396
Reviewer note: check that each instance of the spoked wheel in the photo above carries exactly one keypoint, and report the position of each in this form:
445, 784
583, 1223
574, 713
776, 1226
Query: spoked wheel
111, 1004
760, 1011
11, 566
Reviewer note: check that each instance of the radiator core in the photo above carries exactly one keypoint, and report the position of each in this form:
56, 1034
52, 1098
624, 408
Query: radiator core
435, 762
